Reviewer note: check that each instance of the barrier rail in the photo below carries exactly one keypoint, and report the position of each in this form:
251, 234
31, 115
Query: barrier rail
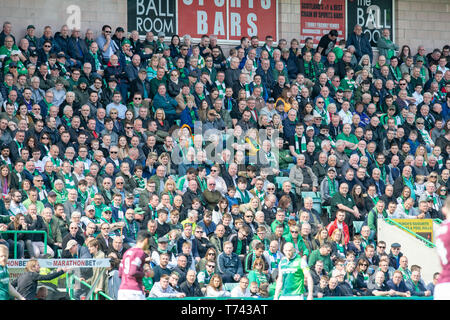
70, 281
324, 298
15, 232
427, 242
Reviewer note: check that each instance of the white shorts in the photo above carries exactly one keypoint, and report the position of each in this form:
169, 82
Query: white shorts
125, 294
442, 291
300, 297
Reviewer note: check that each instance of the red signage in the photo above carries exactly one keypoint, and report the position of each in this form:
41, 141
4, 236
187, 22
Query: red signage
228, 19
317, 19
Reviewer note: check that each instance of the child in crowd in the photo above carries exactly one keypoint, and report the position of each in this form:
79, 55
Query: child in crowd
419, 185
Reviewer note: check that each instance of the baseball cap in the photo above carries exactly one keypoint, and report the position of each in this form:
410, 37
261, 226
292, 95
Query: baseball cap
15, 52
120, 29
163, 240
309, 128
142, 70
159, 50
90, 207
332, 169
271, 100
194, 73
130, 196
161, 35
395, 245
70, 244
112, 79
31, 27
420, 58
138, 210
60, 55
106, 209
323, 126
126, 41
13, 65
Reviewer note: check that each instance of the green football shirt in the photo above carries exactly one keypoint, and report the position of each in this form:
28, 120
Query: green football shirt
4, 283
293, 276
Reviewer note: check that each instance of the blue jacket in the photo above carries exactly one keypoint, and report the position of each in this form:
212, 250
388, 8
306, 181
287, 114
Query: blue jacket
401, 287
167, 103
186, 118
229, 265
362, 46
63, 44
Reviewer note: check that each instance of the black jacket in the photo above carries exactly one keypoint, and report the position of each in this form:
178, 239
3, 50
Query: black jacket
191, 290
27, 283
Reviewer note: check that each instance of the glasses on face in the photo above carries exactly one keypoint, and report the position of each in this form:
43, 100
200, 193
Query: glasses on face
363, 264
119, 182
211, 254
434, 177
44, 138
382, 247
113, 112
107, 31
197, 231
129, 127
403, 84
137, 98
249, 216
320, 102
47, 46
294, 231
113, 152
214, 170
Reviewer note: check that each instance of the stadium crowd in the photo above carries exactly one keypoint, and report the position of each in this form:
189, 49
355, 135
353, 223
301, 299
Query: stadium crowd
224, 157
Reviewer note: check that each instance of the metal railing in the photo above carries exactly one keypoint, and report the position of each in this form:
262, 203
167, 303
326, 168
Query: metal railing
70, 282
426, 241
16, 232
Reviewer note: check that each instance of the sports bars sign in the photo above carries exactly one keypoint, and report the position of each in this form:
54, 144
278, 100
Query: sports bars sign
317, 19
152, 15
372, 15
227, 19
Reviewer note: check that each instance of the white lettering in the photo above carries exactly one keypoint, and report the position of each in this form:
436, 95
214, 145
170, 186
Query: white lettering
219, 26
74, 19
202, 25
235, 3
265, 4
219, 3
250, 4
253, 29
235, 24
360, 16
188, 2
151, 6
140, 8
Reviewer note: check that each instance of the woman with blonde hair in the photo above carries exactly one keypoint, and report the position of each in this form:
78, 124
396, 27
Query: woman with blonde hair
161, 122
321, 238
5, 180
152, 67
170, 189
122, 144
164, 160
27, 282
254, 205
252, 140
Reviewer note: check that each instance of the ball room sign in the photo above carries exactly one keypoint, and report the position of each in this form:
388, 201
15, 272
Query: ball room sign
372, 15
152, 15
227, 19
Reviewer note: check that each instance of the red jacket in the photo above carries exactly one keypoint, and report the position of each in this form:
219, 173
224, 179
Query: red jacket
333, 226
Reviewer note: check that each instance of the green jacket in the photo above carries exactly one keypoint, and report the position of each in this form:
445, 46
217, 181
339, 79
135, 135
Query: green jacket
284, 158
386, 48
372, 218
55, 234
315, 256
300, 244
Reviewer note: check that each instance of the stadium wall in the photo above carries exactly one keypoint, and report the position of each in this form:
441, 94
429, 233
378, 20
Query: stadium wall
416, 21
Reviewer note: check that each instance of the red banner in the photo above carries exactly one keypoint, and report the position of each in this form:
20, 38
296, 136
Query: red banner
244, 18
317, 19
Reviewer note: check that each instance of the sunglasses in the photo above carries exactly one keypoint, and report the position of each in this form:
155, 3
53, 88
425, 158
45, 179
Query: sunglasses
210, 266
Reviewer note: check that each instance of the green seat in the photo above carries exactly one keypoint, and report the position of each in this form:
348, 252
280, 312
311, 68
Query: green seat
280, 180
357, 225
317, 199
229, 286
178, 122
